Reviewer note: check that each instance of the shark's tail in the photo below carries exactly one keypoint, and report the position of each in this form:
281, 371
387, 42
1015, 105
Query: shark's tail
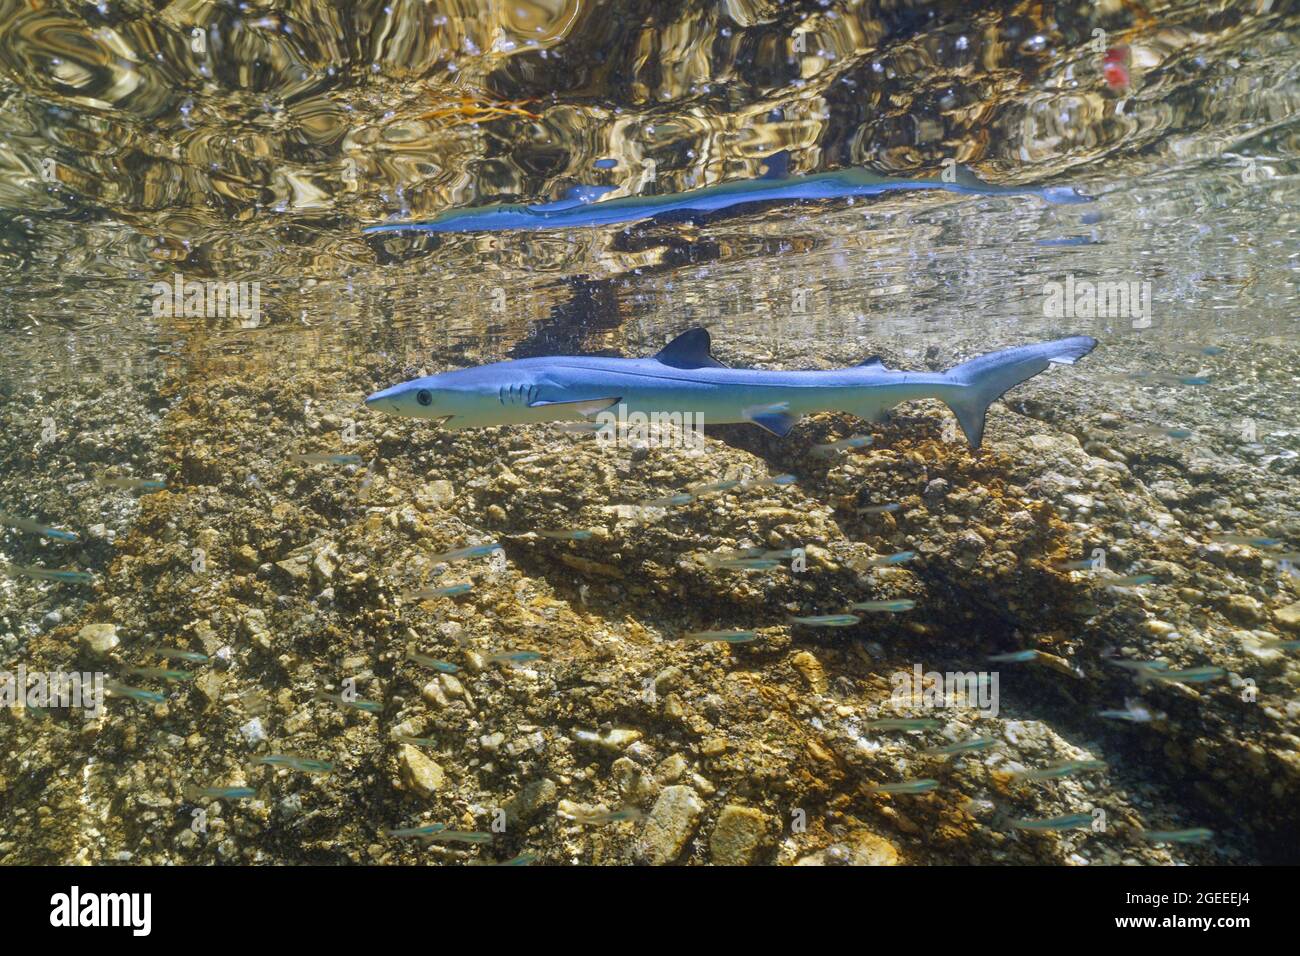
983, 380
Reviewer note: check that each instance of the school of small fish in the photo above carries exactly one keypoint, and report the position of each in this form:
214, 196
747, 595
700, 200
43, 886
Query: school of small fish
746, 559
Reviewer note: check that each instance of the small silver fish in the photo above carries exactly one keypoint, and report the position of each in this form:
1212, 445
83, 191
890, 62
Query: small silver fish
885, 560
177, 654
600, 817
1163, 378
578, 534
134, 484
160, 673
737, 553
892, 607
1087, 564
748, 564
1143, 671
514, 657
827, 620
48, 574
416, 741
523, 859
1158, 431
1058, 770
1015, 657
1193, 835
1134, 712
1071, 821
1138, 665
922, 785
879, 509
712, 487
195, 793
323, 458
433, 664
727, 637
356, 703
1282, 645
458, 836
964, 746
1069, 241
423, 832
717, 557
1193, 675
775, 480
1246, 540
135, 693
672, 501
1159, 670
428, 594
903, 723
825, 451
34, 527
461, 554
292, 762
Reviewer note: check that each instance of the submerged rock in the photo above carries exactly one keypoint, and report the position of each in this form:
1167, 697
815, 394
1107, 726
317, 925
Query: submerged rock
100, 638
737, 836
671, 824
863, 849
420, 774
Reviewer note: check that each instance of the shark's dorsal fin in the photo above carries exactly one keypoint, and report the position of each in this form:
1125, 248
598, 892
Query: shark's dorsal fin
689, 350
875, 362
777, 166
575, 196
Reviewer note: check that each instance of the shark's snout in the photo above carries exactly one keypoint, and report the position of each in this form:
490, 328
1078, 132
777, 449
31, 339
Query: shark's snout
384, 400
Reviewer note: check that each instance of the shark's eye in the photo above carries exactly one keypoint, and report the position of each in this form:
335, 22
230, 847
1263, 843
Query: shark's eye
424, 397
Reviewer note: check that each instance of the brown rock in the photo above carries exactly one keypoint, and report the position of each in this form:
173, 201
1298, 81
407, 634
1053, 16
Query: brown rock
737, 836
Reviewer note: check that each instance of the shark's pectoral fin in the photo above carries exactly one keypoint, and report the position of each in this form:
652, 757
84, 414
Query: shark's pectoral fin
773, 418
584, 407
689, 350
874, 362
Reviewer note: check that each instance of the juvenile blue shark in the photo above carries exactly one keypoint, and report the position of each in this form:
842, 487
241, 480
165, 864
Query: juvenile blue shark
581, 207
685, 379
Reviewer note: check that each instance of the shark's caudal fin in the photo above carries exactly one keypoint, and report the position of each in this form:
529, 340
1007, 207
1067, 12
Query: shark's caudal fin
965, 177
983, 380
